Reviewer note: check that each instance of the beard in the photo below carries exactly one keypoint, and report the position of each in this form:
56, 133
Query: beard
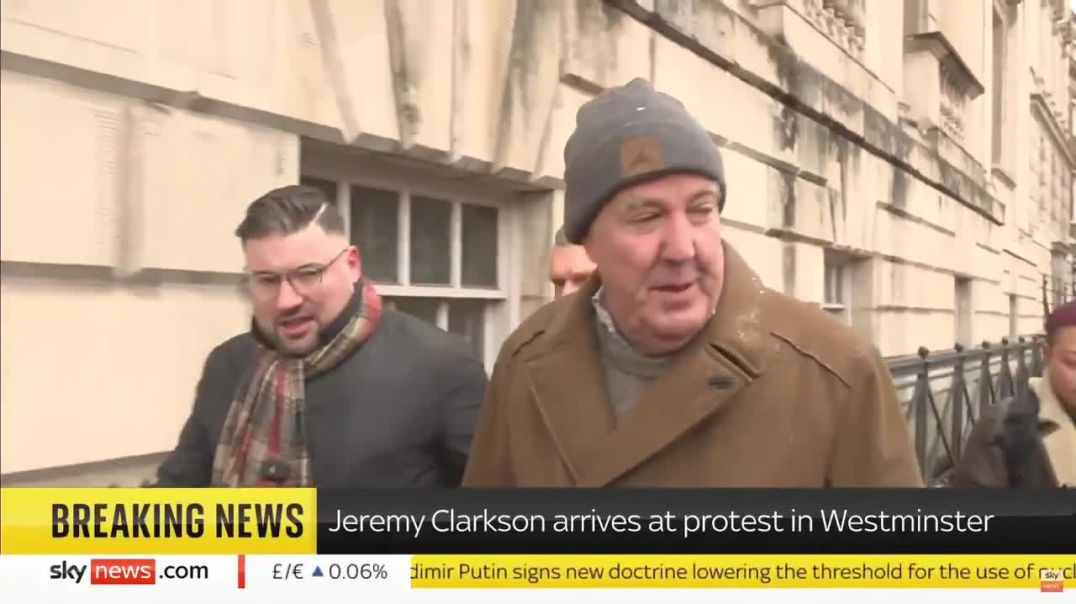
296, 346
290, 346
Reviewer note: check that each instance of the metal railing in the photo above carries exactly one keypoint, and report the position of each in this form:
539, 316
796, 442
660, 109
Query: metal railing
939, 431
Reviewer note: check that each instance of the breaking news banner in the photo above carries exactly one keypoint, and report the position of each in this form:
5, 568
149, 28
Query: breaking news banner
470, 545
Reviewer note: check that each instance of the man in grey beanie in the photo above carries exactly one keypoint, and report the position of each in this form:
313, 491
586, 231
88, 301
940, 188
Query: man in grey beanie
674, 365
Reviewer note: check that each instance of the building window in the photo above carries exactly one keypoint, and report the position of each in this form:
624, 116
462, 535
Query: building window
962, 311
837, 287
1072, 197
1014, 316
999, 91
431, 254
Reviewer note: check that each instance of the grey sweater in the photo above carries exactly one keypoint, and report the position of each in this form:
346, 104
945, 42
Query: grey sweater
627, 372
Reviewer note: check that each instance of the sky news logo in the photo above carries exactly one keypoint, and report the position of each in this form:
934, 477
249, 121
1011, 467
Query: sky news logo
139, 571
1051, 580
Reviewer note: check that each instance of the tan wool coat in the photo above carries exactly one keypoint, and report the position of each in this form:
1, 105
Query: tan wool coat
771, 393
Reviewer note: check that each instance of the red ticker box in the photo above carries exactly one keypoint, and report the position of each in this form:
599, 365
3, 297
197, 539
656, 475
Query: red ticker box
123, 572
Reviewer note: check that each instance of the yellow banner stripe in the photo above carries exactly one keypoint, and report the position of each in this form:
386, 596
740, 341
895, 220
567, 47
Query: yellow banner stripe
741, 571
158, 521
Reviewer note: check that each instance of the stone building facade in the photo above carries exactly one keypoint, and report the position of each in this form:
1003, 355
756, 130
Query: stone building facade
907, 164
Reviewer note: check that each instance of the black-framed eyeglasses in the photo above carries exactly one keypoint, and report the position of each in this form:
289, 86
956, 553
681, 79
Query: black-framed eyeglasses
304, 280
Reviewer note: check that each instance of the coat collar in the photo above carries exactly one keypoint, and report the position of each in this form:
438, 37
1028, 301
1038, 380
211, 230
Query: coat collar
568, 382
1058, 430
1052, 414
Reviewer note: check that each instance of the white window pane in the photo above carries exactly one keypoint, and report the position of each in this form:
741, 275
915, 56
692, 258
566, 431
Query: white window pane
832, 285
479, 241
374, 229
431, 253
467, 318
420, 308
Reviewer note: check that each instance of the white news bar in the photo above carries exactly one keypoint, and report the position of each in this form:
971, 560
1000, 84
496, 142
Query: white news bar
325, 579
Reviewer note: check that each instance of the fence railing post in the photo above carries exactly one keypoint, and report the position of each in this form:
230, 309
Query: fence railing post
1021, 367
919, 407
957, 394
986, 386
1037, 352
1005, 383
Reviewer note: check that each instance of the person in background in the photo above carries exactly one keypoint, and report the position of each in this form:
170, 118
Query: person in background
1029, 440
327, 388
675, 366
569, 266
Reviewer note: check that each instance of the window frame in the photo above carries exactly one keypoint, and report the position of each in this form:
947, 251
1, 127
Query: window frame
1002, 141
500, 305
835, 263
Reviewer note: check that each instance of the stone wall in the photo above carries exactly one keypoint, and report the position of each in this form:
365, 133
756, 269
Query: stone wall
134, 135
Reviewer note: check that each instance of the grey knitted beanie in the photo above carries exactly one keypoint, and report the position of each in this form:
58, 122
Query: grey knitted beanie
625, 136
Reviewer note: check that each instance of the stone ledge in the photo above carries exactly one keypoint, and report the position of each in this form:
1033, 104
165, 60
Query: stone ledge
189, 100
937, 44
1062, 141
897, 211
1002, 174
815, 95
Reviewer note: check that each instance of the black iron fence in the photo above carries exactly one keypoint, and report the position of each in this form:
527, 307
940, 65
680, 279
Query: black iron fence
966, 382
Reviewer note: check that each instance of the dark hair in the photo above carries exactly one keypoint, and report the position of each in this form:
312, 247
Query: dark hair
1062, 316
288, 210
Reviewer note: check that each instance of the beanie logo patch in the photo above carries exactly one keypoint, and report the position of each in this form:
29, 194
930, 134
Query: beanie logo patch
640, 155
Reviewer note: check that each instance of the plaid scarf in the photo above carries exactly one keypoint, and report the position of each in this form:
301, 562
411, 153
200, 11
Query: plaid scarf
263, 441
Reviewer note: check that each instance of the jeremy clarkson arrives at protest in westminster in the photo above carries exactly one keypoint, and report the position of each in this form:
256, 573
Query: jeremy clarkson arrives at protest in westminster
674, 366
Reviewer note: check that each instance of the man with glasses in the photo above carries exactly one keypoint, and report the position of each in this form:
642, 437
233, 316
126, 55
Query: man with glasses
328, 388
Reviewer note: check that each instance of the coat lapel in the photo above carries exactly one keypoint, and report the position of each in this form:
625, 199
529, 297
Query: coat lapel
701, 382
692, 389
568, 385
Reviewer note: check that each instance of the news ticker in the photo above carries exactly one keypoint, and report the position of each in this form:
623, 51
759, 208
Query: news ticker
369, 575
530, 521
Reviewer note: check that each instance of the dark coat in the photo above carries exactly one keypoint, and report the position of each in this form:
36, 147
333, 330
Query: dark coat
772, 393
1006, 447
399, 412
